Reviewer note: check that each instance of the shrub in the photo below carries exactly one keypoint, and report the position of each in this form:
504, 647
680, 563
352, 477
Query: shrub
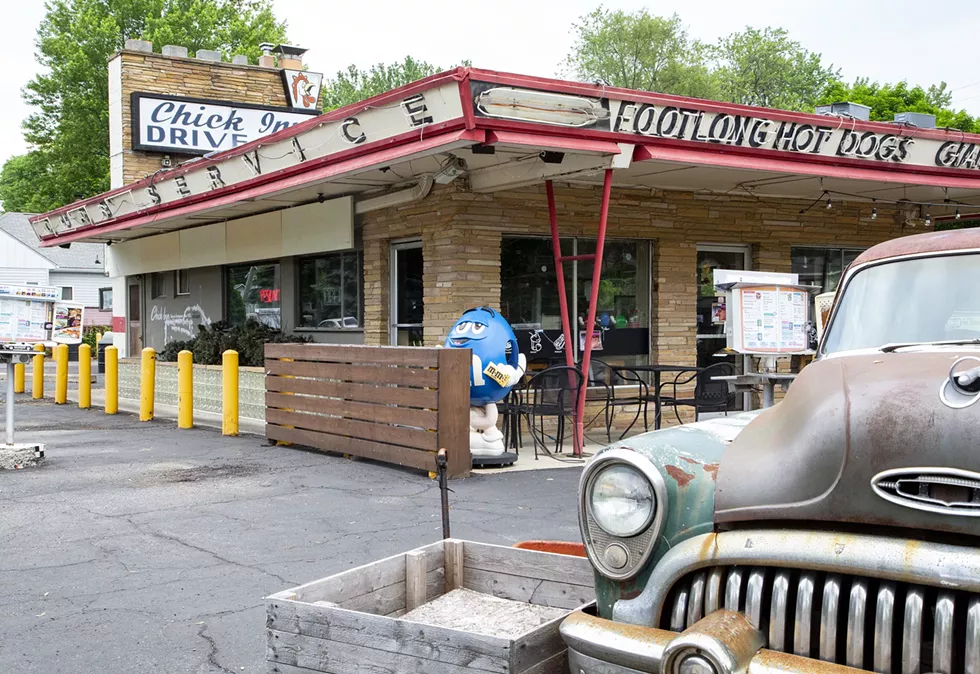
248, 339
91, 333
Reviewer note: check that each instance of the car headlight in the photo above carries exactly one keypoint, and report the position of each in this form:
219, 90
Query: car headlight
622, 500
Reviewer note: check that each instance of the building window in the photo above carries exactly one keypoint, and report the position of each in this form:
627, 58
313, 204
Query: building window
330, 291
105, 299
183, 282
252, 292
158, 286
821, 267
67, 293
529, 297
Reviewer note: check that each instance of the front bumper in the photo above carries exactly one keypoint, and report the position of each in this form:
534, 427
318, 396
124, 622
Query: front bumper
725, 640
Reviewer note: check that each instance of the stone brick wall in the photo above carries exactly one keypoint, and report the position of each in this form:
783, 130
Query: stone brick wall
461, 234
191, 77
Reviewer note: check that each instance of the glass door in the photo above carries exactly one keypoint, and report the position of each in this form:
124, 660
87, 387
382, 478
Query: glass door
711, 304
406, 294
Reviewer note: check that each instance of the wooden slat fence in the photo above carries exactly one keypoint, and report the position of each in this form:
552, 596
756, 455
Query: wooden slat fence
389, 403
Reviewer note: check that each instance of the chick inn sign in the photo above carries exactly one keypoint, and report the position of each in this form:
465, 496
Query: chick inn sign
448, 102
199, 126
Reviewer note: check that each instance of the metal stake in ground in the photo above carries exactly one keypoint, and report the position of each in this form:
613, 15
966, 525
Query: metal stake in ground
13, 455
441, 471
10, 401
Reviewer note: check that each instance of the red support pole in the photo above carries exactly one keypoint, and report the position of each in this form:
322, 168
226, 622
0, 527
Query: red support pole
593, 301
563, 304
560, 271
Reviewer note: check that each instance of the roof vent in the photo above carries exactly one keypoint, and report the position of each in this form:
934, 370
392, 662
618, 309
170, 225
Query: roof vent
920, 120
844, 109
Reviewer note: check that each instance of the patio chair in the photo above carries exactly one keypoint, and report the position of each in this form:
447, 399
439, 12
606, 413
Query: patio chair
624, 388
551, 394
512, 410
709, 395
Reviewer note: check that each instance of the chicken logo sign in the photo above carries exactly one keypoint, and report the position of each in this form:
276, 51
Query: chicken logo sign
302, 88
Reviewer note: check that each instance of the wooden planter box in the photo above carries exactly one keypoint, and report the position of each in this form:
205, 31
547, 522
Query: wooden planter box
350, 622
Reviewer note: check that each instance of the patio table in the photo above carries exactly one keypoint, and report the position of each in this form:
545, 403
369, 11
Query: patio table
745, 382
656, 371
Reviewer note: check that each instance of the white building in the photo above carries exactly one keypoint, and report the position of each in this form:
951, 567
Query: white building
78, 270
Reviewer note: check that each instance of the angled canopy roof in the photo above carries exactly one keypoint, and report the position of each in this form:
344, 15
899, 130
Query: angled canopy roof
512, 130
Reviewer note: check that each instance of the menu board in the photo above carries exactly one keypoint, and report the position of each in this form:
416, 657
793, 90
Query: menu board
67, 324
23, 320
773, 319
24, 312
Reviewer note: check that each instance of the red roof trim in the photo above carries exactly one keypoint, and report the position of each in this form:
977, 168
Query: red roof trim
297, 179
793, 162
598, 91
735, 157
312, 123
785, 165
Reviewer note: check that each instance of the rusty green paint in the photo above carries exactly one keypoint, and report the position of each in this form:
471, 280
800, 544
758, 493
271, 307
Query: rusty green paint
688, 458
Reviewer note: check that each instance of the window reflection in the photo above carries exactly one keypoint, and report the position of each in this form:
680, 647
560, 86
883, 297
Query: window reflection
329, 291
253, 292
529, 298
924, 300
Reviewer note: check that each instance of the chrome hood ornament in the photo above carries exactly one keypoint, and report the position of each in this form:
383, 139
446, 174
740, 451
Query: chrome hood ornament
961, 388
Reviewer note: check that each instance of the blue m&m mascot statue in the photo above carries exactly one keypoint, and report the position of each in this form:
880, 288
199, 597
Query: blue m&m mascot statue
497, 367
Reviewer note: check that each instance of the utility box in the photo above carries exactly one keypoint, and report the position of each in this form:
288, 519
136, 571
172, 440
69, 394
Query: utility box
920, 120
101, 346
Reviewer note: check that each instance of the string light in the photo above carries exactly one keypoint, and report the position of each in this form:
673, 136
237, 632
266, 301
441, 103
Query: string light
957, 216
928, 218
829, 203
874, 210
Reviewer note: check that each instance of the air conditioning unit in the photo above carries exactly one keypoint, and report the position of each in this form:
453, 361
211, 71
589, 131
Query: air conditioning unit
844, 109
921, 120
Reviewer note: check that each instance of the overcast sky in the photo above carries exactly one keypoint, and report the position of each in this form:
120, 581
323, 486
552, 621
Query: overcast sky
886, 40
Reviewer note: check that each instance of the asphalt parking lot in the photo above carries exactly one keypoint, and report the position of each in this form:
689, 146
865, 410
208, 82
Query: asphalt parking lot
138, 547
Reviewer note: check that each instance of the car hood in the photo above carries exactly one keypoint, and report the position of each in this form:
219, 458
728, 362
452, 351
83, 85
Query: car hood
844, 421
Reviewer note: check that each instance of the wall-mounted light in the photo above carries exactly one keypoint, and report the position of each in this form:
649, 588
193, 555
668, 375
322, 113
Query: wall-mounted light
540, 106
552, 157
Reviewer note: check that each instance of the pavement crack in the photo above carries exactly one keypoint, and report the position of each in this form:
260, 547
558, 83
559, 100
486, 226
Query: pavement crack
213, 650
174, 539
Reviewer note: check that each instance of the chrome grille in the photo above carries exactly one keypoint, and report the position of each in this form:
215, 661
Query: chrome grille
863, 622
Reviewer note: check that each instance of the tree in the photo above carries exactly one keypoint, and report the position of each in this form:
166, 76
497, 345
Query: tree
769, 69
69, 130
352, 85
639, 51
887, 99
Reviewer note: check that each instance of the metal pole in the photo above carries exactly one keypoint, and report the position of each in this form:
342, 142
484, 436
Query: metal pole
560, 271
441, 465
10, 402
590, 319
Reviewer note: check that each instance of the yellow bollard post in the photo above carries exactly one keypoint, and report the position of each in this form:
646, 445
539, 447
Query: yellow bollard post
19, 378
148, 372
229, 393
37, 386
84, 376
111, 380
61, 374
185, 389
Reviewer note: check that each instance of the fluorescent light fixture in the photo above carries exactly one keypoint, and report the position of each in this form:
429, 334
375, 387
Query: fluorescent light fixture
540, 106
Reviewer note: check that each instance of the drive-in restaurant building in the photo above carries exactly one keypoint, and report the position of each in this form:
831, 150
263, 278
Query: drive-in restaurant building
379, 223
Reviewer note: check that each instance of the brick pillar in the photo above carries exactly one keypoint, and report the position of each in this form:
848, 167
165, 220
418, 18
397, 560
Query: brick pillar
461, 271
674, 324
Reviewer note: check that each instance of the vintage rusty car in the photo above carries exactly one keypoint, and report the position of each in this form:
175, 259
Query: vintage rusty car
836, 531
